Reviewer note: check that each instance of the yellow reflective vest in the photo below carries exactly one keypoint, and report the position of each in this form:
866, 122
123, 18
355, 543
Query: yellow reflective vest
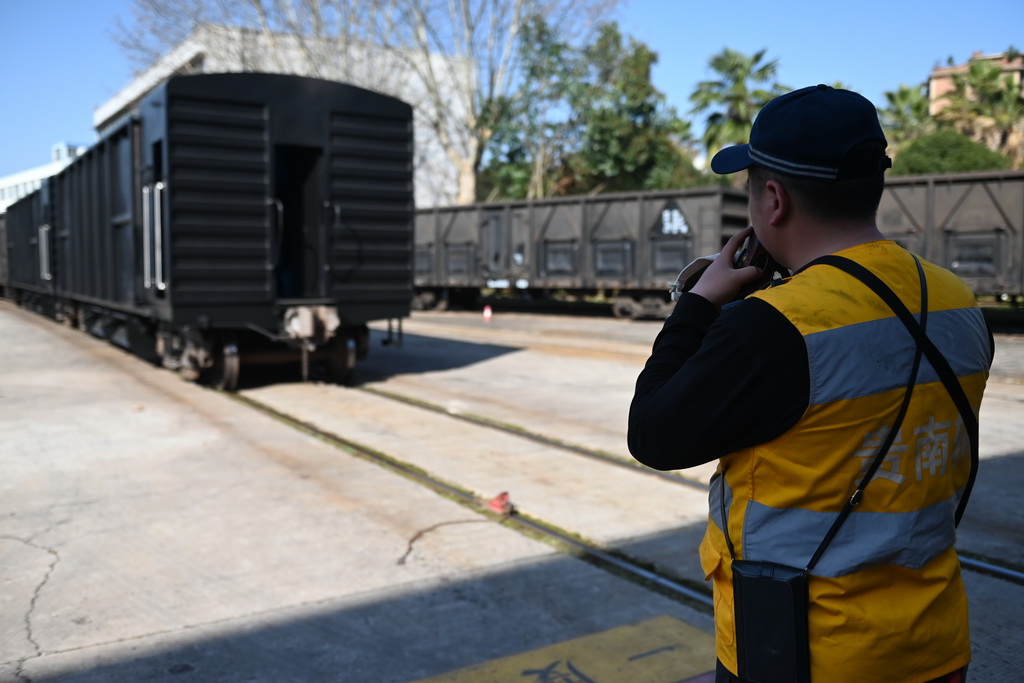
886, 598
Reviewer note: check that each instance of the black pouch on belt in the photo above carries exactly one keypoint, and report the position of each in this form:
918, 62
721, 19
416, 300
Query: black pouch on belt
771, 622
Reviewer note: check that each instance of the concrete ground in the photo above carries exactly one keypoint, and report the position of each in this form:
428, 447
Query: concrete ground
152, 529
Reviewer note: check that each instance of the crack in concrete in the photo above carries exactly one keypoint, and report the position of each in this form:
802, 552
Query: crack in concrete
29, 635
423, 532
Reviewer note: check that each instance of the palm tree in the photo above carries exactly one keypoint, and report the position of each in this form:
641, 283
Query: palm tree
745, 84
906, 116
987, 106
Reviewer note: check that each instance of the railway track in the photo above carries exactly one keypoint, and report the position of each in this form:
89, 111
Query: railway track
635, 569
631, 568
539, 438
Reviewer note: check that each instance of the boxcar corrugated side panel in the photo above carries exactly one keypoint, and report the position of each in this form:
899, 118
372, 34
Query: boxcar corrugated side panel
95, 234
217, 180
32, 263
4, 272
371, 212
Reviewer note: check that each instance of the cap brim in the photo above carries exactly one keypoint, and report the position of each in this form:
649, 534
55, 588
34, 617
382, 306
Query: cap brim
731, 159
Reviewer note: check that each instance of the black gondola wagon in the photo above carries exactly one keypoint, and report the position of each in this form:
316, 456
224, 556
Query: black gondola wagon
629, 245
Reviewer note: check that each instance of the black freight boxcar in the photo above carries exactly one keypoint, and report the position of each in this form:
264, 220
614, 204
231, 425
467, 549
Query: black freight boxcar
626, 245
232, 218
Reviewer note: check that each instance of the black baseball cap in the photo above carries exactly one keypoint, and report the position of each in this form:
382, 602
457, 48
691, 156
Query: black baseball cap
808, 133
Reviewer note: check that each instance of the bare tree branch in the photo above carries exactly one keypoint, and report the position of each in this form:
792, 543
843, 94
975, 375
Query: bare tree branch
450, 59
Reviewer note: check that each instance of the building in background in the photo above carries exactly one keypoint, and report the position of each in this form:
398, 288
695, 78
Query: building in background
940, 82
16, 185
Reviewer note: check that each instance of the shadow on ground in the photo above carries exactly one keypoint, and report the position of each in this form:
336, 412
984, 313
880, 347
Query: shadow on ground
412, 633
417, 354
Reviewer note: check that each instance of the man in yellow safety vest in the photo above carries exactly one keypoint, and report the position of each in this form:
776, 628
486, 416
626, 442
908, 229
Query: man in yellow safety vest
814, 387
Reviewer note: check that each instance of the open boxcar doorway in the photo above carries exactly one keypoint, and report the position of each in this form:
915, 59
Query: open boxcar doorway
301, 233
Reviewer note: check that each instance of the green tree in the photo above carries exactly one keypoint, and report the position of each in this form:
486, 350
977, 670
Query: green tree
529, 136
906, 116
629, 139
947, 151
745, 84
585, 120
506, 171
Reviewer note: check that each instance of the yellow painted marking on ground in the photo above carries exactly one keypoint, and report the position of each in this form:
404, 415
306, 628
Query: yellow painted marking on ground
659, 650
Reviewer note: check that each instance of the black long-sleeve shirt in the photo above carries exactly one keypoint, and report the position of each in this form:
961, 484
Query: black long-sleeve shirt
716, 383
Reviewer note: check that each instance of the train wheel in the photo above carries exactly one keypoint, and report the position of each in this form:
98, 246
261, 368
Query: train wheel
341, 359
625, 308
656, 307
424, 301
227, 364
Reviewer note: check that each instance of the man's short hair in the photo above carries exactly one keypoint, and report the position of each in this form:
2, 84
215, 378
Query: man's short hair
854, 194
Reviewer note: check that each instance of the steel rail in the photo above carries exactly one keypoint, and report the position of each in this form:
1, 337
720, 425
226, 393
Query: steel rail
634, 568
540, 438
988, 567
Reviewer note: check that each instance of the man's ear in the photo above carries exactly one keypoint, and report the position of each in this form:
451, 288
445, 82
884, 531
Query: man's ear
778, 202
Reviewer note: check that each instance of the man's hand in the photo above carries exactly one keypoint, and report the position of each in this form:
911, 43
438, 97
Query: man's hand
720, 283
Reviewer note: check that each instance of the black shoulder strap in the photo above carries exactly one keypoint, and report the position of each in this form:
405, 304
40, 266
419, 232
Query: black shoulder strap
858, 492
935, 357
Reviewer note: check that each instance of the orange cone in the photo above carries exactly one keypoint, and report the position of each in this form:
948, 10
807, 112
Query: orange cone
501, 504
487, 314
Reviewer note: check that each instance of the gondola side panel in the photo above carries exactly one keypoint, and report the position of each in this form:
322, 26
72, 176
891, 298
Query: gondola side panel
669, 237
979, 223
559, 234
425, 272
680, 226
903, 214
460, 231
612, 232
970, 223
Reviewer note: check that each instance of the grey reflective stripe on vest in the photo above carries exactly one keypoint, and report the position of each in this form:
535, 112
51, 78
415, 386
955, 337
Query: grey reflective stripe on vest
866, 539
868, 358
716, 487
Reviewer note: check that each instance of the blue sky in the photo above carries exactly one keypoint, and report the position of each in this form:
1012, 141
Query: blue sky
61, 61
